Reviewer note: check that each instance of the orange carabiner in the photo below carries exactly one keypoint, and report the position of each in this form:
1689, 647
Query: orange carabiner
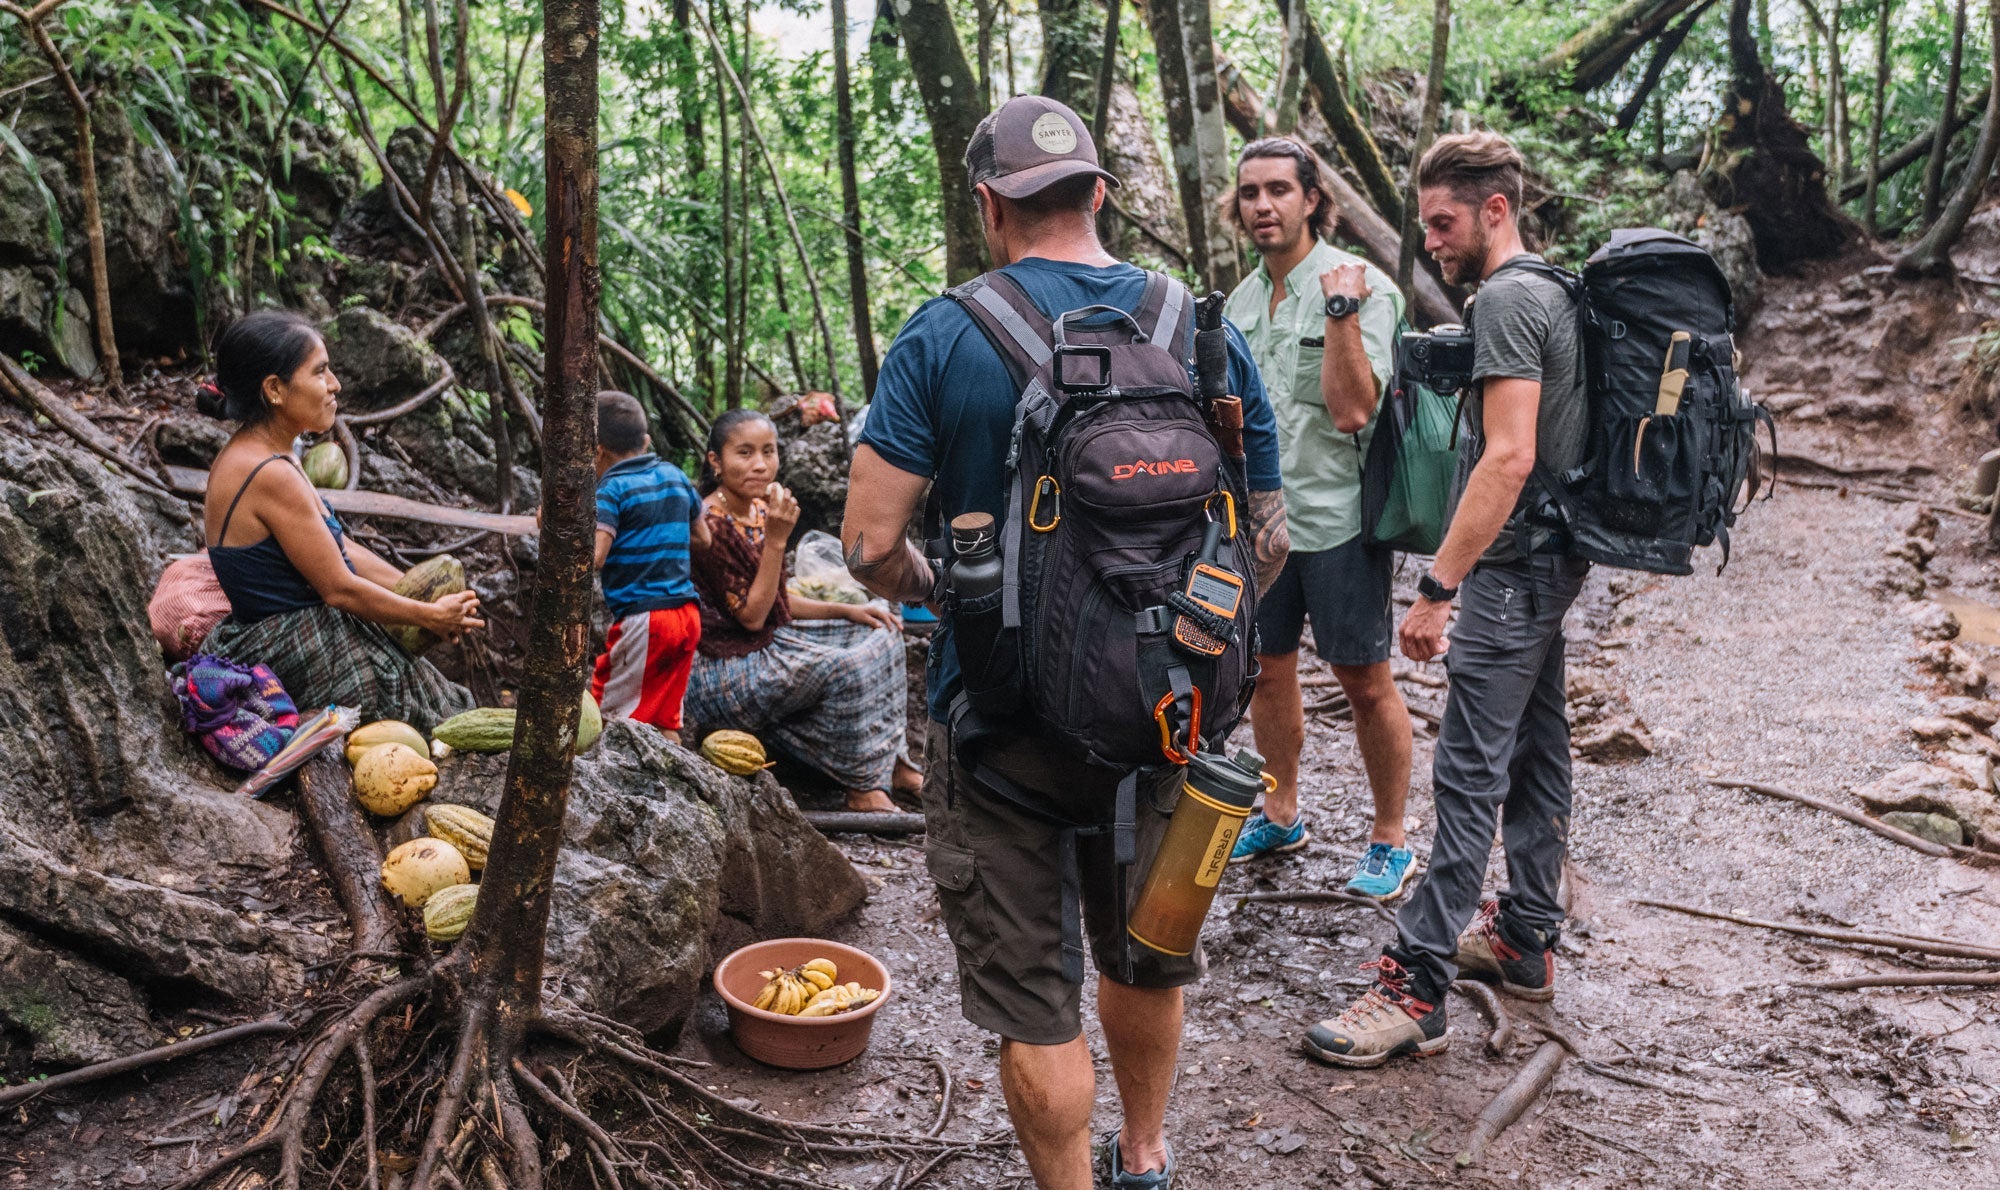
1173, 754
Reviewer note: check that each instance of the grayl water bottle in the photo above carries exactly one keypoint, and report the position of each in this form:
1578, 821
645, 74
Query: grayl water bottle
977, 630
1216, 796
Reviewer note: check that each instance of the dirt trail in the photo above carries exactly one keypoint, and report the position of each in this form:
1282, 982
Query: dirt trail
1788, 669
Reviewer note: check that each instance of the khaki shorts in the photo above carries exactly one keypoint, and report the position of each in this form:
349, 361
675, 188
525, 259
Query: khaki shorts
1000, 884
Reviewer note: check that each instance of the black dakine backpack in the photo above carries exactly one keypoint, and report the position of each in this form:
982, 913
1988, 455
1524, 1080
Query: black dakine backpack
1672, 438
1115, 483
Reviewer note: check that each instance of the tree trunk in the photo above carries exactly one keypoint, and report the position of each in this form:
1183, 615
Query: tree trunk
1595, 55
1146, 209
850, 200
1070, 53
1356, 143
743, 219
1875, 124
732, 367
989, 11
1163, 18
1663, 53
1220, 265
1941, 140
1412, 233
1291, 73
954, 109
1107, 77
1842, 151
1931, 255
1762, 165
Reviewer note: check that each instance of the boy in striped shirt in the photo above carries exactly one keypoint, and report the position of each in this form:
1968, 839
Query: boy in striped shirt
648, 515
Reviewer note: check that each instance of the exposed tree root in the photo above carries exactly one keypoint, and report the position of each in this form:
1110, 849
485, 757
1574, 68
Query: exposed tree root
1513, 1099
1500, 1038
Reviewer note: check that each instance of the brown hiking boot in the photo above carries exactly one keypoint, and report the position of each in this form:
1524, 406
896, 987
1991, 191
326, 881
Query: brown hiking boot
1487, 953
1386, 1022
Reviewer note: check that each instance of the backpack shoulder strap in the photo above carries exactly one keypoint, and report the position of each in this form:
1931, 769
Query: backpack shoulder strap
1163, 311
1017, 328
1571, 283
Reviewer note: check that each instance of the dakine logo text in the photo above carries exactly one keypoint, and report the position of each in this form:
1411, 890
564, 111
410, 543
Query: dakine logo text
1160, 467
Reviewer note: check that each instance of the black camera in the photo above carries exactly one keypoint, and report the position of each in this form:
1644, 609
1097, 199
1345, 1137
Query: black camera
1439, 359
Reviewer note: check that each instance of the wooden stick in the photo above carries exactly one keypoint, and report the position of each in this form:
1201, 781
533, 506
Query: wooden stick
359, 503
32, 396
1950, 950
1914, 842
865, 822
1500, 1038
1318, 895
1933, 979
165, 1053
1512, 1100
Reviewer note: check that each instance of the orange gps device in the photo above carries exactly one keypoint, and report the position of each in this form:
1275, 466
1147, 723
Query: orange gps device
1215, 590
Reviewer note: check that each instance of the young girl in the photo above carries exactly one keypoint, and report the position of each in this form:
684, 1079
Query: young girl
305, 599
824, 680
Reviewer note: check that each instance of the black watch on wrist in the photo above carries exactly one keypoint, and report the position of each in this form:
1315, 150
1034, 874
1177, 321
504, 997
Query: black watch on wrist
1435, 591
1341, 306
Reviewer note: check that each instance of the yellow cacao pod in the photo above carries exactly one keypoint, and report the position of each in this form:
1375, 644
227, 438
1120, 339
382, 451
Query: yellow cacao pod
589, 723
449, 911
326, 465
462, 827
390, 778
387, 731
736, 752
426, 582
419, 868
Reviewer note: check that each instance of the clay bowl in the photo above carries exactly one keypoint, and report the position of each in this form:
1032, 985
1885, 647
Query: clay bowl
789, 1042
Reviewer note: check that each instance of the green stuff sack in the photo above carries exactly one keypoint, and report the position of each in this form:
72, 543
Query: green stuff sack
1407, 474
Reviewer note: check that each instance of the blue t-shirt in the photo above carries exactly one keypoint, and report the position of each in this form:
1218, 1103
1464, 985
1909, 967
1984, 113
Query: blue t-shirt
944, 405
648, 506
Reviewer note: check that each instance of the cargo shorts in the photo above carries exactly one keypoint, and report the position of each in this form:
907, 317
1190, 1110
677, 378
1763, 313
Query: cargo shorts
999, 882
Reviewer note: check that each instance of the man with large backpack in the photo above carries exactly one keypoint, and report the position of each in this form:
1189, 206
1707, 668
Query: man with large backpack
1502, 755
1112, 521
1322, 323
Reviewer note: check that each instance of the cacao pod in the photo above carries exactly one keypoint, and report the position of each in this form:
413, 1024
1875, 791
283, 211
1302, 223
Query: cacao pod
326, 466
736, 752
491, 729
449, 911
420, 867
387, 731
390, 778
427, 582
462, 827
589, 723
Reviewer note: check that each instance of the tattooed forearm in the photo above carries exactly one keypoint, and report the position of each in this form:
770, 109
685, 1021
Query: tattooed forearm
902, 575
1270, 536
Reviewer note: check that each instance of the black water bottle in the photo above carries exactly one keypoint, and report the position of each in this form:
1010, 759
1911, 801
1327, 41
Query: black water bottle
986, 658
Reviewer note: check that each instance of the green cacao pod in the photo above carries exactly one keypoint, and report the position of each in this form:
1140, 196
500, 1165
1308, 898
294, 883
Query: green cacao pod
326, 466
449, 911
491, 729
462, 827
736, 752
426, 582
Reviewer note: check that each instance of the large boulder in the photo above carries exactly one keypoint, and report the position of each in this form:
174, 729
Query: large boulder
379, 361
813, 465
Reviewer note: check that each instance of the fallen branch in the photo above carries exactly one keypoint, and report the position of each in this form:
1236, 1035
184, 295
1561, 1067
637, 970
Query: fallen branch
1934, 979
1889, 495
357, 503
1864, 471
33, 397
1317, 896
1603, 1140
1500, 1038
348, 853
144, 1058
1513, 1099
1941, 949
864, 822
1914, 842
377, 416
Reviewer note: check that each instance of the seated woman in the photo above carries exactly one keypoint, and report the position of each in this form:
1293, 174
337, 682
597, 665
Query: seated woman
304, 598
826, 681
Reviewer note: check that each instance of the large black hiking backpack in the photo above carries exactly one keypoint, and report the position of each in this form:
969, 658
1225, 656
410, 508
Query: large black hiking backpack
1662, 472
1113, 479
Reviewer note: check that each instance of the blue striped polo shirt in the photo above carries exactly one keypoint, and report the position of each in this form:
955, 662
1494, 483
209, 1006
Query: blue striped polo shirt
647, 505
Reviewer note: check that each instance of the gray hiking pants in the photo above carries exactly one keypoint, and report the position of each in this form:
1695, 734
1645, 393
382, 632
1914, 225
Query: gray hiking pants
1502, 753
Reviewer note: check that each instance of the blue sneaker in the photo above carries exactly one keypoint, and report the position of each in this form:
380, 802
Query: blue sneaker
1261, 836
1383, 872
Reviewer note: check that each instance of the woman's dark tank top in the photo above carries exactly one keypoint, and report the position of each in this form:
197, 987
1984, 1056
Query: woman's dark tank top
259, 579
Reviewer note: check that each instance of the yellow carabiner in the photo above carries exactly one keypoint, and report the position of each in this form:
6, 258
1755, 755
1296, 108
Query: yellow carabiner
1229, 506
1046, 484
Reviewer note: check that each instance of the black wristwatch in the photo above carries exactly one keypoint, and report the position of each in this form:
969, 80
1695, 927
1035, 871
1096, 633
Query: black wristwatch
1340, 305
1435, 591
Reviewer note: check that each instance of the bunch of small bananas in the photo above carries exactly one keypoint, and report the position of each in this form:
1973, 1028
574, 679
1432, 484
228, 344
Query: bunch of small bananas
809, 990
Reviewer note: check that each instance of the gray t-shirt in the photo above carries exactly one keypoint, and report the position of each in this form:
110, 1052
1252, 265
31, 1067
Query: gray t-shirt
1524, 327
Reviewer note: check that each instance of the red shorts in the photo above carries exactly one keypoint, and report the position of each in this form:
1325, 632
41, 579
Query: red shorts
643, 671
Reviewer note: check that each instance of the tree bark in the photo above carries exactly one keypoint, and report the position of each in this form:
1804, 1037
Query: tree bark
1762, 165
954, 109
1070, 53
1875, 124
1220, 264
989, 12
1412, 235
1600, 50
1146, 210
1291, 73
1350, 132
1163, 19
850, 209
1931, 255
1107, 77
1663, 53
1941, 140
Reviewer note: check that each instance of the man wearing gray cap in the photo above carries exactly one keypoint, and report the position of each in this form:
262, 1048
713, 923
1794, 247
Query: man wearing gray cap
944, 411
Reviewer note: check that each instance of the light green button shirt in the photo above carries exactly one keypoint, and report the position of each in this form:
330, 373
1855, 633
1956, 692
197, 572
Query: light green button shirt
1321, 465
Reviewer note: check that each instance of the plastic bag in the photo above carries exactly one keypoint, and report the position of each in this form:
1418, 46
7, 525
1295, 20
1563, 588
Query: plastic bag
313, 734
820, 571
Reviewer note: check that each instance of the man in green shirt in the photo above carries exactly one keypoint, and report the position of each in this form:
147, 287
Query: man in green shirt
1322, 325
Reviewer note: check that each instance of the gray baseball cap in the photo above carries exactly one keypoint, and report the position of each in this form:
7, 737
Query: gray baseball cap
1028, 144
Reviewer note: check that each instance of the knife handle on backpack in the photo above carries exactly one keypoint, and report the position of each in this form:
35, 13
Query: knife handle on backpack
1674, 377
1211, 349
1225, 420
